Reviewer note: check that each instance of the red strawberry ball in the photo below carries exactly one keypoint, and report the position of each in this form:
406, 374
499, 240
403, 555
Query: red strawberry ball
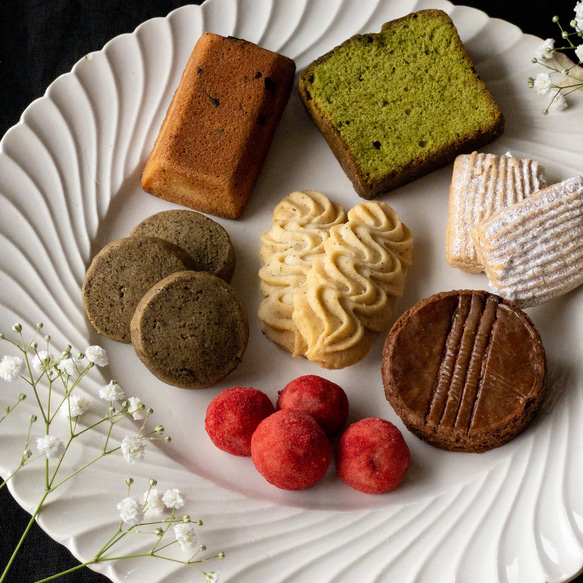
372, 456
290, 450
232, 417
324, 400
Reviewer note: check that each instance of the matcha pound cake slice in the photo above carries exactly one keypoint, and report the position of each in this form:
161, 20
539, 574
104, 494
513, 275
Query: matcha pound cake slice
398, 104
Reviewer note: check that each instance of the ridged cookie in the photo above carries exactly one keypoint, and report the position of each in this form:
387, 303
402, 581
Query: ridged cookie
532, 250
481, 185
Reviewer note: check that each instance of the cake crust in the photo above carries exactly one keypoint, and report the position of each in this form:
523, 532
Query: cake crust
419, 105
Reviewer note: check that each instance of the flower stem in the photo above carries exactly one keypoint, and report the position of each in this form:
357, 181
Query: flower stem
22, 538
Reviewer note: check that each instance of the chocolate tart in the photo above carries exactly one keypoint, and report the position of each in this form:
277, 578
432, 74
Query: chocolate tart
465, 370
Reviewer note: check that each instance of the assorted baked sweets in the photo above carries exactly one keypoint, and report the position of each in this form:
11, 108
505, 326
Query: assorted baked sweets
481, 185
465, 370
398, 104
120, 274
205, 240
219, 127
532, 250
190, 329
330, 288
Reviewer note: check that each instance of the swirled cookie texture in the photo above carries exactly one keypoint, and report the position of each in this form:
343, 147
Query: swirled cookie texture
302, 222
348, 283
481, 185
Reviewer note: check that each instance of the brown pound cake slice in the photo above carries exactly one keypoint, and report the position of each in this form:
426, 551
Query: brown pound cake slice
219, 126
207, 242
465, 370
396, 105
190, 329
120, 274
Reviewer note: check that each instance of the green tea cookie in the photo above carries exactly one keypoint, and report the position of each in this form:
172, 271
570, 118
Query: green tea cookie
190, 329
120, 274
207, 242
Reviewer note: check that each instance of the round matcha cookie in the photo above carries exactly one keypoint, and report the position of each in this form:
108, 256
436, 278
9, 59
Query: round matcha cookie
120, 274
207, 242
190, 329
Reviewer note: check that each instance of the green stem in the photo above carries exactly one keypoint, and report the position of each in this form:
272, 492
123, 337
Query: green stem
22, 538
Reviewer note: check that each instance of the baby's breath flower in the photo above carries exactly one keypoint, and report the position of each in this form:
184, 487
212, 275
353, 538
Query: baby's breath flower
78, 404
42, 361
68, 366
579, 53
173, 499
542, 83
131, 511
153, 500
50, 446
579, 15
136, 408
97, 355
133, 449
186, 537
112, 392
559, 102
212, 577
72, 366
11, 368
545, 50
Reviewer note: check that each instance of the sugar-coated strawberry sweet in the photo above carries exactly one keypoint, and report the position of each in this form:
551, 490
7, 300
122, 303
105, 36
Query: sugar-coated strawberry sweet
232, 417
290, 450
372, 456
322, 399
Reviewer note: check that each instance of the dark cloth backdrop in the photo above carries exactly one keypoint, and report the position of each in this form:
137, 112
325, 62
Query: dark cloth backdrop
41, 39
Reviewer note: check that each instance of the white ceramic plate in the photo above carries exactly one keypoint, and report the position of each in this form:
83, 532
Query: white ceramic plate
69, 183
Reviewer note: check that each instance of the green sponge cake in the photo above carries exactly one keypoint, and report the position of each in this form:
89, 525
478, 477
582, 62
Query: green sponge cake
396, 105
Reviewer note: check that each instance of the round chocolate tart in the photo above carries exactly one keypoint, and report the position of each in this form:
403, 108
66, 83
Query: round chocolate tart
120, 274
205, 240
465, 370
190, 329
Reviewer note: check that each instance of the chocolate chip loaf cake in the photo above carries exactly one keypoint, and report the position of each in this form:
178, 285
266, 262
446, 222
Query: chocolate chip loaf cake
219, 126
395, 105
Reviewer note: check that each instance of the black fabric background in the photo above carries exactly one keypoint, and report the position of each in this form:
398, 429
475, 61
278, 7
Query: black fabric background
41, 39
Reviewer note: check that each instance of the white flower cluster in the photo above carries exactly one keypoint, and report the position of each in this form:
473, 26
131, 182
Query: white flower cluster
548, 55
133, 511
66, 372
13, 368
